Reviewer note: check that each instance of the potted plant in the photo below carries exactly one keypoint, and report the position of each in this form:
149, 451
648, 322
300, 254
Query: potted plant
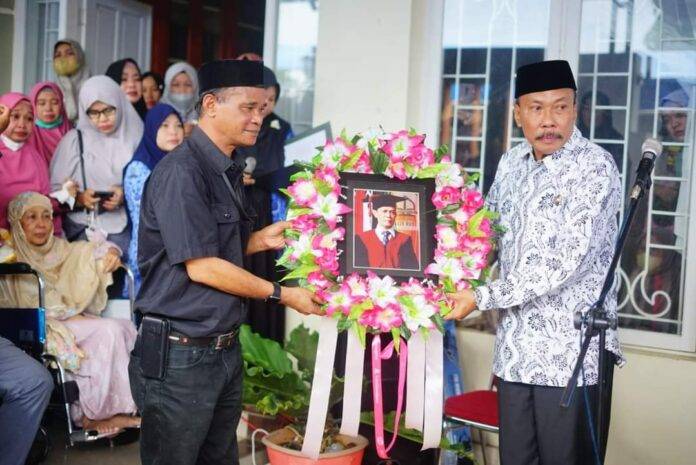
277, 383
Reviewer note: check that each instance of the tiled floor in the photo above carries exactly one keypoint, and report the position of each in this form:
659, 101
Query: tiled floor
102, 453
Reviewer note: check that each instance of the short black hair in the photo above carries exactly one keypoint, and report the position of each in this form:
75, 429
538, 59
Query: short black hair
220, 94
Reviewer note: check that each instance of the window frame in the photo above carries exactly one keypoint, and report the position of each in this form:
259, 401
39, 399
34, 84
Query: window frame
565, 21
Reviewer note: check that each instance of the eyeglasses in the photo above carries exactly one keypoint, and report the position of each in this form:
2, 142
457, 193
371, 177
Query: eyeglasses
106, 112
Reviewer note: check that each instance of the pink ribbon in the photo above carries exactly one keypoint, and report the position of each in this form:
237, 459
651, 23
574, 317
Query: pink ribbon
377, 356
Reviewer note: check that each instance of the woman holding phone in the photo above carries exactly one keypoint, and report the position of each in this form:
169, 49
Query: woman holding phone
93, 155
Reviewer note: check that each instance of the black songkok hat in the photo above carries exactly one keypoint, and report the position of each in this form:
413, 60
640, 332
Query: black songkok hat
230, 73
544, 75
384, 200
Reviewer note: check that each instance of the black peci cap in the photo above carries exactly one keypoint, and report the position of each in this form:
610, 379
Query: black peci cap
230, 73
544, 75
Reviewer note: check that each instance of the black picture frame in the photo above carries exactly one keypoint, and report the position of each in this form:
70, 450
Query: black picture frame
426, 212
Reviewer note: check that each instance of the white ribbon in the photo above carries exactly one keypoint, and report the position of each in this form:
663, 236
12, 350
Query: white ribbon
432, 425
352, 389
321, 387
415, 382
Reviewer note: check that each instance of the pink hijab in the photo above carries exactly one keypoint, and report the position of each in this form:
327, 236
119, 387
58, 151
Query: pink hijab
21, 170
46, 140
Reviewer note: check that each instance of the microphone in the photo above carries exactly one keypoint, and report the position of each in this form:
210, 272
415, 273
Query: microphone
652, 148
250, 165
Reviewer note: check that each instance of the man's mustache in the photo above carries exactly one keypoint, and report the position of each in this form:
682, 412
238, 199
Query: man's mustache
554, 134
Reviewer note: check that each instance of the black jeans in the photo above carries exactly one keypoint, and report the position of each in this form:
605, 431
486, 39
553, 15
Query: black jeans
190, 417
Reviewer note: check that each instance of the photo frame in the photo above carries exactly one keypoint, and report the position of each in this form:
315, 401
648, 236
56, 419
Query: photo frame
391, 229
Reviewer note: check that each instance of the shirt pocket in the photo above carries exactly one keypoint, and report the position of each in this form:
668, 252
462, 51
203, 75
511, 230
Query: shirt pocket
229, 223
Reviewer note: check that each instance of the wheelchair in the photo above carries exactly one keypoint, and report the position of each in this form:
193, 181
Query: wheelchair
26, 328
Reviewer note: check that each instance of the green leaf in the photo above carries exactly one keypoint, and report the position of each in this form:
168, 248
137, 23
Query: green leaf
362, 334
264, 353
396, 336
439, 322
430, 171
285, 258
302, 344
440, 152
474, 225
306, 174
451, 208
379, 162
473, 177
300, 272
355, 139
351, 161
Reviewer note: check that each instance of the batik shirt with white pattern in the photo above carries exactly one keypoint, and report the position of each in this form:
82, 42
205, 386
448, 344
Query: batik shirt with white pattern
560, 221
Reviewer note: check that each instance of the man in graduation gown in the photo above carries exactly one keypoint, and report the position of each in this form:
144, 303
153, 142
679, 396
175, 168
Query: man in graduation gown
384, 246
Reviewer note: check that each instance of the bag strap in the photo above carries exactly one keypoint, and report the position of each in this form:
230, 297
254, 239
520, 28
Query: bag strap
82, 159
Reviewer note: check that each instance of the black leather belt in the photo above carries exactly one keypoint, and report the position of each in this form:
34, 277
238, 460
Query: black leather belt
220, 342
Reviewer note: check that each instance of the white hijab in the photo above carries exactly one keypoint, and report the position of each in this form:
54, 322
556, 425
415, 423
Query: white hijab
105, 155
188, 112
70, 85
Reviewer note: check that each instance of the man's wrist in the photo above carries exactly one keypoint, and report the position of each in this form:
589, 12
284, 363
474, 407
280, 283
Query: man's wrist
275, 295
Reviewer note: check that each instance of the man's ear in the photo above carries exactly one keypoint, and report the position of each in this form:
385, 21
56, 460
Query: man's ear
209, 105
516, 113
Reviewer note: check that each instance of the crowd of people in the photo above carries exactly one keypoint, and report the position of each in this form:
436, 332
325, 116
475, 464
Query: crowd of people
75, 156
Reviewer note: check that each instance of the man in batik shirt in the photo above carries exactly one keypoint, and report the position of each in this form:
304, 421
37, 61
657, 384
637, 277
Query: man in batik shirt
558, 196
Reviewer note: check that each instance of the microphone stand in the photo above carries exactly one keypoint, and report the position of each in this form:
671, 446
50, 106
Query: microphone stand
596, 322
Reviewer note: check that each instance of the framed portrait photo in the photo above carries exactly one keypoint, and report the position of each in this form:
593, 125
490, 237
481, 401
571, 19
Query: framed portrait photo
391, 228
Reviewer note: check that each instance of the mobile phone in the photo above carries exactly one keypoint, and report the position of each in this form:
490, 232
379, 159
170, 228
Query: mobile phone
154, 346
103, 195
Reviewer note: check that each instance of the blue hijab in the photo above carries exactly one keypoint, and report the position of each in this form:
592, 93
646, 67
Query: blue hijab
147, 151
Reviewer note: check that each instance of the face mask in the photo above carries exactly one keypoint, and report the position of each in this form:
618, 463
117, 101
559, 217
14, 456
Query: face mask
182, 100
66, 66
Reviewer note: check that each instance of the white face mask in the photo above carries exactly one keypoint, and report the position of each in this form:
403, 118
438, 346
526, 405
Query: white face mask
182, 101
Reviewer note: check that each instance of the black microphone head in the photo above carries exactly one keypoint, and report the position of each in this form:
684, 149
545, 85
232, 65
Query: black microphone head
651, 148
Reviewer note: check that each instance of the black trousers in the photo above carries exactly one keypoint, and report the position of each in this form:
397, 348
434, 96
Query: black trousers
535, 430
190, 417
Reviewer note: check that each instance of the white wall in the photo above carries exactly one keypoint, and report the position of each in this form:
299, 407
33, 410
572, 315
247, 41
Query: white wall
375, 65
362, 64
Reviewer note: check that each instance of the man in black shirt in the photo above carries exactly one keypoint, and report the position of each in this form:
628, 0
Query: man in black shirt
195, 230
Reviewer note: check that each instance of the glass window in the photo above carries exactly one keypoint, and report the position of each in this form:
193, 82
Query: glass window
637, 79
298, 22
483, 44
43, 21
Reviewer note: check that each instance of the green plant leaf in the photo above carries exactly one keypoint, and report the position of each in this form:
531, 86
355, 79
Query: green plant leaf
300, 272
264, 353
379, 162
302, 344
430, 171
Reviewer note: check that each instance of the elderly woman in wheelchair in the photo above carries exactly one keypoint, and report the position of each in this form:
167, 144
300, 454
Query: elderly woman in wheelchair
94, 350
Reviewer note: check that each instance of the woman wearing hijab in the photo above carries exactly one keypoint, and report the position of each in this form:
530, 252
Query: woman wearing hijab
76, 274
269, 155
126, 73
22, 166
153, 87
94, 155
164, 131
50, 119
181, 92
71, 71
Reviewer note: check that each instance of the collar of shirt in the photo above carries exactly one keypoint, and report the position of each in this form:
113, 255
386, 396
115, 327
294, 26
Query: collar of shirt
212, 154
380, 232
554, 161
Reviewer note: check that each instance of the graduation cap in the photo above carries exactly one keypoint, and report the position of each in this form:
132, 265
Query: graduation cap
230, 73
544, 75
384, 200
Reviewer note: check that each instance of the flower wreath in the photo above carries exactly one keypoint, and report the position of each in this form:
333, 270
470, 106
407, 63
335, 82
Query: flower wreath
464, 233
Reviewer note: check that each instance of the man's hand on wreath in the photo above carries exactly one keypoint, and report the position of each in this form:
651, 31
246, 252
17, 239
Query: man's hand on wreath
269, 238
301, 300
464, 304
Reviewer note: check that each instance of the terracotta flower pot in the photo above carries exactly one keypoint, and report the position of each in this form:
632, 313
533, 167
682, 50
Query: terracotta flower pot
278, 455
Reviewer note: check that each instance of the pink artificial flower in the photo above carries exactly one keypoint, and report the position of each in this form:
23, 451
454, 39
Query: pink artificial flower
305, 224
318, 280
396, 170
447, 238
445, 196
382, 319
461, 216
356, 284
327, 260
448, 267
450, 176
471, 199
420, 157
398, 145
475, 244
383, 291
412, 287
304, 192
339, 301
336, 152
330, 176
328, 207
363, 164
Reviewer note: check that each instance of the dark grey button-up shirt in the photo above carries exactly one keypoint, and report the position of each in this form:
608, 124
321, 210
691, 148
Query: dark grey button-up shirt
188, 212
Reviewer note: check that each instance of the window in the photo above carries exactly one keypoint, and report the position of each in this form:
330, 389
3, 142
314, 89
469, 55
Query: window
636, 79
43, 22
291, 54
